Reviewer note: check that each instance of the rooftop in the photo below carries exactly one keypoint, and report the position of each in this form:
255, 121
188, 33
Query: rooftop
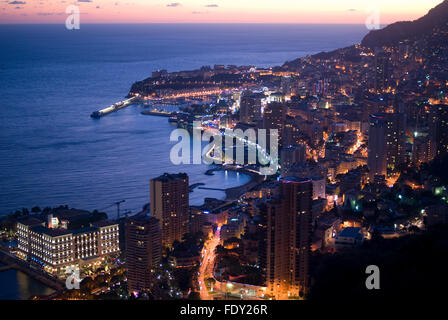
30, 221
295, 180
50, 232
171, 177
104, 223
351, 232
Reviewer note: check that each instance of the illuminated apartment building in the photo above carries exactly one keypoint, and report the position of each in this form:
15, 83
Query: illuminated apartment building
382, 71
423, 150
55, 249
386, 149
438, 128
274, 117
251, 107
169, 204
143, 251
289, 239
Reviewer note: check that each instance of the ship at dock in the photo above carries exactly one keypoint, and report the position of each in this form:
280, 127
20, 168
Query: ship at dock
114, 107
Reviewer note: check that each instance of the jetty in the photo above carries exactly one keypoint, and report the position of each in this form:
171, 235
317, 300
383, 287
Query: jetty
213, 189
113, 108
12, 262
193, 186
7, 267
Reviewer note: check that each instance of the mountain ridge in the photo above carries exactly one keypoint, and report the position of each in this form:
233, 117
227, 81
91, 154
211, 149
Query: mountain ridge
400, 31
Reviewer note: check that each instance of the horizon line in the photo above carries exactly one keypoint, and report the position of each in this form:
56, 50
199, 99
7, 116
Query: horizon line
247, 23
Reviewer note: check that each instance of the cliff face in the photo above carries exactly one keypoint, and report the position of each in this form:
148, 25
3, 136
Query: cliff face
409, 30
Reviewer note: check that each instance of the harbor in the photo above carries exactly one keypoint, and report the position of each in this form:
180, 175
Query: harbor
155, 109
233, 193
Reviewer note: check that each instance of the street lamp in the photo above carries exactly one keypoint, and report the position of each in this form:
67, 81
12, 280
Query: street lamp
229, 287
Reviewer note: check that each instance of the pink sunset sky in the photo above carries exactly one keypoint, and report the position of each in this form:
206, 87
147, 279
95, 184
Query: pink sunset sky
213, 11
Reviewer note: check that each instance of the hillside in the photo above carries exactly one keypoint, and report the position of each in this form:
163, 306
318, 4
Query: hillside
436, 18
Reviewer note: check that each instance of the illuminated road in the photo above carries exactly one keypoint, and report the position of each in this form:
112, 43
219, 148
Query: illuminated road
208, 264
357, 145
263, 156
222, 290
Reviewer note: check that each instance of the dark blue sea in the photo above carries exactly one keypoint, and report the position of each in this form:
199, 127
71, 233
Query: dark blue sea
51, 79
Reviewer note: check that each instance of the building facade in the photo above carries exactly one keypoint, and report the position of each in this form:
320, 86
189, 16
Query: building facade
386, 149
274, 117
250, 107
58, 250
143, 252
438, 128
289, 239
170, 206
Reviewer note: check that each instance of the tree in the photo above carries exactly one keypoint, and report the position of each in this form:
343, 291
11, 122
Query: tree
35, 209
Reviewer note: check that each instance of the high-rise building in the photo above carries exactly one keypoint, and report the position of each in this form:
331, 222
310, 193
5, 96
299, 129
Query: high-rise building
250, 107
422, 150
169, 204
292, 154
382, 71
438, 128
274, 117
386, 149
262, 232
143, 251
376, 160
292, 133
289, 221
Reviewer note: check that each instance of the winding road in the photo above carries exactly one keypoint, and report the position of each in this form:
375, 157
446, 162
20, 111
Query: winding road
208, 264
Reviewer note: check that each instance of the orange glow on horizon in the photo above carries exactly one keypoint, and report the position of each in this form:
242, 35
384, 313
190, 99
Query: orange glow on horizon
213, 11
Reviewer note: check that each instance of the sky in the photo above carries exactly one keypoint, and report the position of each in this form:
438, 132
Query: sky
213, 11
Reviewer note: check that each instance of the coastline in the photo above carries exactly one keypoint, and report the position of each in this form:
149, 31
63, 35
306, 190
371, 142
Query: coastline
17, 265
9, 264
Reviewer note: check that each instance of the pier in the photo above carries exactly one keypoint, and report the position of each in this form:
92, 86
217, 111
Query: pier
193, 186
7, 267
215, 189
113, 108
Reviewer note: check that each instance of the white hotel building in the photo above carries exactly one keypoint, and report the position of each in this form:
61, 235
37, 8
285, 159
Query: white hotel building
56, 249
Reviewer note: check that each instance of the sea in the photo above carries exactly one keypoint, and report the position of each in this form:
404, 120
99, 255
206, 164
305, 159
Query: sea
51, 79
